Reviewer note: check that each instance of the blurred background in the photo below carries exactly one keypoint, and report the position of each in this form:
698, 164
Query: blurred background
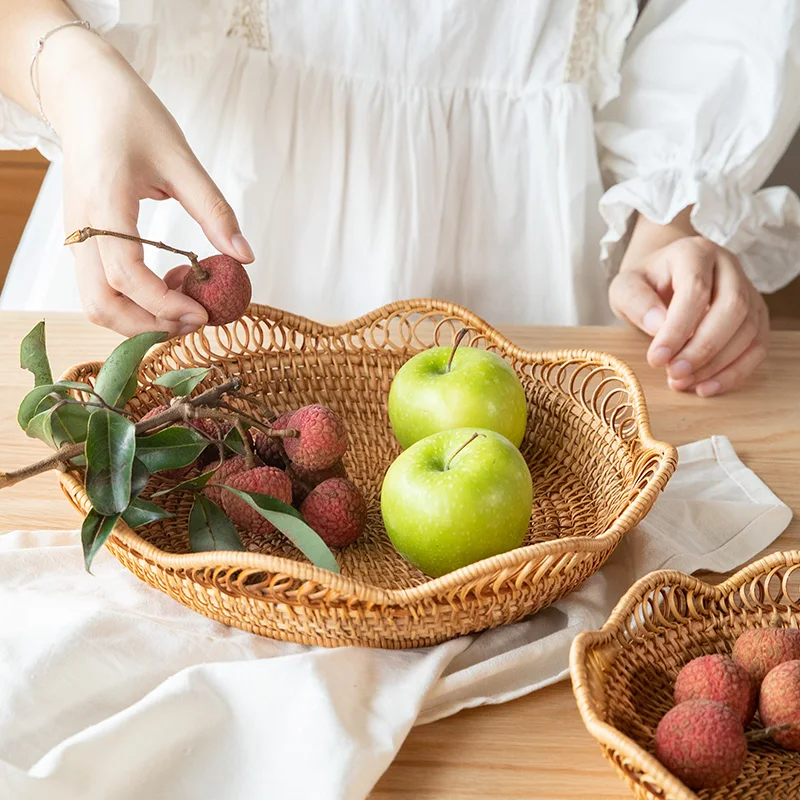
21, 174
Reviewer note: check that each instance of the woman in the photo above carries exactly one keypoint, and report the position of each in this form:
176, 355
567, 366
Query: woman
380, 150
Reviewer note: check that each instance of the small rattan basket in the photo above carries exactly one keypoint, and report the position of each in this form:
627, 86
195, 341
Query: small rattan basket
595, 466
623, 675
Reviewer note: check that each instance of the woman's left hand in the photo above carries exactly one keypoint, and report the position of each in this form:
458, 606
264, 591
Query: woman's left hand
709, 324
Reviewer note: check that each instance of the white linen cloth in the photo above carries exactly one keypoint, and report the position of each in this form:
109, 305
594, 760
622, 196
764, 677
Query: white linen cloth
109, 689
380, 149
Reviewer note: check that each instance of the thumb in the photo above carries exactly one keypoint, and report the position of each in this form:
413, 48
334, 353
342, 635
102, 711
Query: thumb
193, 188
633, 299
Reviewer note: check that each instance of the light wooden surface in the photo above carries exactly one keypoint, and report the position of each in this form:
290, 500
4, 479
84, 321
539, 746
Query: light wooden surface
534, 747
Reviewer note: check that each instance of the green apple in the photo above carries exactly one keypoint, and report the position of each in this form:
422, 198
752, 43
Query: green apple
456, 497
451, 387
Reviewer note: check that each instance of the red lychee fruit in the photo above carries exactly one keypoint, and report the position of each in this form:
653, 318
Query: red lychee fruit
222, 286
336, 510
758, 651
264, 480
702, 742
269, 448
719, 678
304, 480
779, 703
226, 470
322, 440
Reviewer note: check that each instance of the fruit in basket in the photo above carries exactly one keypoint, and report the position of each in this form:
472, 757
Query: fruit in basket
322, 439
269, 448
779, 703
221, 285
718, 677
263, 480
702, 742
337, 511
225, 471
760, 650
304, 480
452, 387
456, 497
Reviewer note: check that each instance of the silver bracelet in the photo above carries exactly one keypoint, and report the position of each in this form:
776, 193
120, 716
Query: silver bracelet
35, 61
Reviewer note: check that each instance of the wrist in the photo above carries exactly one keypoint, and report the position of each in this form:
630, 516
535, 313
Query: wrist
648, 237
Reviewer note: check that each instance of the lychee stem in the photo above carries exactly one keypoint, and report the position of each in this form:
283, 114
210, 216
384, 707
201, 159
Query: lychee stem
766, 733
86, 233
249, 460
456, 342
469, 441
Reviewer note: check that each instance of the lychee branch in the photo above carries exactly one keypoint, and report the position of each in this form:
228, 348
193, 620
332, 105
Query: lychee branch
181, 411
84, 234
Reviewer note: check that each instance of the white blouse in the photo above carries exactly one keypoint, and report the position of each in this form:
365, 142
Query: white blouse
489, 153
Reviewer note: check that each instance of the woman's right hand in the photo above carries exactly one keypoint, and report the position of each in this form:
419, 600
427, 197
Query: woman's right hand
121, 145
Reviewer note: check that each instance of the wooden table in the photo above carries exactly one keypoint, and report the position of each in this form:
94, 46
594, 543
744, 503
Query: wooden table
535, 747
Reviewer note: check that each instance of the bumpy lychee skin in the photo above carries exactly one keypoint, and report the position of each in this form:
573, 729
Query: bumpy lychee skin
758, 651
336, 510
702, 742
322, 440
224, 293
233, 466
264, 480
304, 480
270, 450
720, 678
779, 703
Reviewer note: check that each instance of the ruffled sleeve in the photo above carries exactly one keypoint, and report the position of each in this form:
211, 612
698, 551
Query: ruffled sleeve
708, 104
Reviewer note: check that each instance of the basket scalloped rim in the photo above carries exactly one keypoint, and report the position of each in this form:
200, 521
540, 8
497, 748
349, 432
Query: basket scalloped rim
606, 734
452, 581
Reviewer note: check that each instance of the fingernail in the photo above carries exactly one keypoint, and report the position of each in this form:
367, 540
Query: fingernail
191, 322
660, 356
653, 320
680, 369
708, 389
242, 247
679, 385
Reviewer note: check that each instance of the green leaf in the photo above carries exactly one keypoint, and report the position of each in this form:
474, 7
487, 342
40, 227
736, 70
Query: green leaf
34, 402
291, 524
139, 477
94, 532
171, 448
182, 381
70, 424
233, 441
143, 512
210, 528
116, 382
110, 447
78, 387
41, 427
193, 483
33, 355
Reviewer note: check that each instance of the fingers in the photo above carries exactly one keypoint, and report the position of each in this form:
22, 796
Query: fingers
691, 263
633, 299
127, 274
193, 188
734, 374
174, 278
107, 308
728, 325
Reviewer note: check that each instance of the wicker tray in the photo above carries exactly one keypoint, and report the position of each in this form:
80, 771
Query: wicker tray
623, 675
595, 466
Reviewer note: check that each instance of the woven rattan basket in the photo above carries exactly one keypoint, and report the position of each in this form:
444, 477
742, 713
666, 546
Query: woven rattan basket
623, 675
596, 472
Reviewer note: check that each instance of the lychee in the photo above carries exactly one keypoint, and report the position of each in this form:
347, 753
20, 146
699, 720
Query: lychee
779, 703
221, 285
336, 510
702, 742
264, 480
270, 448
758, 651
322, 440
720, 678
304, 480
224, 472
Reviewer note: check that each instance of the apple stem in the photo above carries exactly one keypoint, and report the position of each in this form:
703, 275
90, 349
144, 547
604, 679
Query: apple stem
469, 441
456, 342
87, 233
